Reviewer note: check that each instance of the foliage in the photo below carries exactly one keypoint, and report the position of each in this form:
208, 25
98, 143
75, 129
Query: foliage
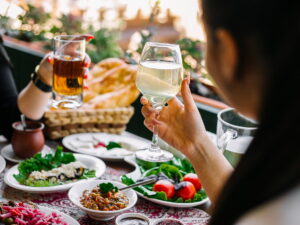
4, 22
34, 16
104, 45
192, 54
71, 24
146, 36
32, 24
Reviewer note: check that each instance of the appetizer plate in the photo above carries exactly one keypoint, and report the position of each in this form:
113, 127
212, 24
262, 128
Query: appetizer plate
136, 174
68, 219
77, 190
89, 161
85, 143
2, 164
8, 153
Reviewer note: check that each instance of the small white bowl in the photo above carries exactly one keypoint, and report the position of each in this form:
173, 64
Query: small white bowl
76, 192
155, 222
132, 215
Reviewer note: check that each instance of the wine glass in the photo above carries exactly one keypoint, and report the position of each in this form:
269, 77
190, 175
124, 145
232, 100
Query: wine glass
159, 79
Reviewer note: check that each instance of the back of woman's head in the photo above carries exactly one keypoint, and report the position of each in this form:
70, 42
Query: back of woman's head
271, 166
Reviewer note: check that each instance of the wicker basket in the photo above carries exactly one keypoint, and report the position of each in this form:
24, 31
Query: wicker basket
62, 123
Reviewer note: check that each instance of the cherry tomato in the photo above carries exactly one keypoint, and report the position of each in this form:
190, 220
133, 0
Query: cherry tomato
194, 179
165, 186
186, 190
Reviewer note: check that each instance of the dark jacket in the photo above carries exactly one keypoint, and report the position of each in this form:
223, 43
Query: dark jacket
9, 111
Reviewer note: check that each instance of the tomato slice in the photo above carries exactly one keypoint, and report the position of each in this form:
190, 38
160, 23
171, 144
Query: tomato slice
185, 190
165, 186
194, 179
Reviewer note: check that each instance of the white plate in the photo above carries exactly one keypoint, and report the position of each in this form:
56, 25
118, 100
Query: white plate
8, 153
83, 143
2, 164
136, 174
68, 219
89, 161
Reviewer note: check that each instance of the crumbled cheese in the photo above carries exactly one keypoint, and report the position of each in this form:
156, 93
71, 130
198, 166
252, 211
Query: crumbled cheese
68, 169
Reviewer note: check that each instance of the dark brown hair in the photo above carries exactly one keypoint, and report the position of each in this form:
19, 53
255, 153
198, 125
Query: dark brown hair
271, 166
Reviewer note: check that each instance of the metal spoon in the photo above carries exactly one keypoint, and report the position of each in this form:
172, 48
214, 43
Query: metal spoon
148, 181
23, 122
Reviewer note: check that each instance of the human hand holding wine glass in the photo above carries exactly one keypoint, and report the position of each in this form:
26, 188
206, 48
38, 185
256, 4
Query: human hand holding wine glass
159, 78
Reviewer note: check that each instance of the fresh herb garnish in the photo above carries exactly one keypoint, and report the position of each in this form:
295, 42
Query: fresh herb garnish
112, 145
108, 187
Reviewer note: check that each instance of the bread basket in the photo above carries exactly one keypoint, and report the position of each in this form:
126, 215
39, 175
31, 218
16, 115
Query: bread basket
63, 123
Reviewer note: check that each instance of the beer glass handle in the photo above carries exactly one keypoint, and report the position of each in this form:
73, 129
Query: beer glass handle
225, 138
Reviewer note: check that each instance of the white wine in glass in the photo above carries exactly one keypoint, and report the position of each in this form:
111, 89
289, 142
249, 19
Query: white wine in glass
159, 79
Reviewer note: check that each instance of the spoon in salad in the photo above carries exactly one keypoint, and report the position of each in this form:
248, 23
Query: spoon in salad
23, 122
144, 182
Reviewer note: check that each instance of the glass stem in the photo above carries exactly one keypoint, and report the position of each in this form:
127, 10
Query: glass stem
154, 144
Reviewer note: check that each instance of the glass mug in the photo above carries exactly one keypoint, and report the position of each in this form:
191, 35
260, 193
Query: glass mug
234, 134
68, 71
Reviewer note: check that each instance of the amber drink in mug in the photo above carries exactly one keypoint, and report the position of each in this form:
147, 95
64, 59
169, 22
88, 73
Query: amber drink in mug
68, 71
234, 134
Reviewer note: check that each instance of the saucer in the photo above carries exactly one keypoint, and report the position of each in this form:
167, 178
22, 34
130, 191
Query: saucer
8, 153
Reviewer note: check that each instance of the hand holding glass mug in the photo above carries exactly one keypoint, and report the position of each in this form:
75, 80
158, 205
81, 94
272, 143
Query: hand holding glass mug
45, 69
70, 63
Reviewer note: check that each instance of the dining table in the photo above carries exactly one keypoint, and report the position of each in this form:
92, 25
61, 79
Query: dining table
59, 200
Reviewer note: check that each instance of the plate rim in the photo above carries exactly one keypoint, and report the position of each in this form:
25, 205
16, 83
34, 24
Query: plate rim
3, 164
62, 214
58, 188
108, 158
136, 172
17, 161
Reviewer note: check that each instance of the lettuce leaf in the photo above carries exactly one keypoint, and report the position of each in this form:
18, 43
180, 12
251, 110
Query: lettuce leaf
88, 174
38, 163
174, 170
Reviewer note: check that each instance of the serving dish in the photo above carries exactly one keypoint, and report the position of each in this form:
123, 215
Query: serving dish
138, 216
13, 212
8, 153
70, 220
91, 162
76, 192
94, 144
137, 174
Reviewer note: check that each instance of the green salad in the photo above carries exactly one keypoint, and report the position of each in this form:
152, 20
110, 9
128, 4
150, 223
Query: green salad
176, 181
52, 169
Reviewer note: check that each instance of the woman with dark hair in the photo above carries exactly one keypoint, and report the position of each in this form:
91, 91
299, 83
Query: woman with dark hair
252, 54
